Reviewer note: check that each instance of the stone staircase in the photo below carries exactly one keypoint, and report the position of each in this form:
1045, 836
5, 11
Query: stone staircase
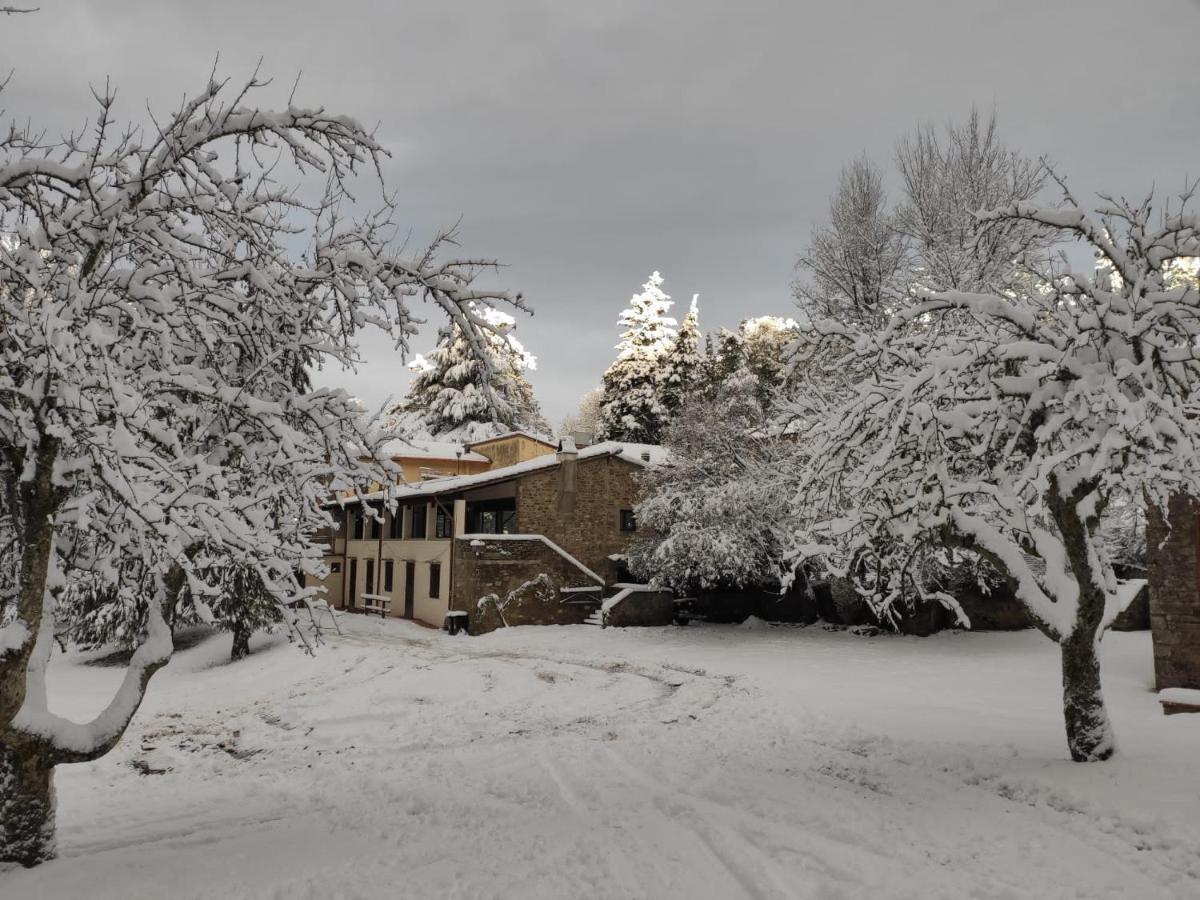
595, 618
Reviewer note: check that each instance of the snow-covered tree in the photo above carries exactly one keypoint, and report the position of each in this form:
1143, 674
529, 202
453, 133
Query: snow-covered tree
632, 408
725, 356
857, 264
760, 348
1013, 433
716, 514
950, 178
152, 308
586, 417
766, 343
456, 395
682, 371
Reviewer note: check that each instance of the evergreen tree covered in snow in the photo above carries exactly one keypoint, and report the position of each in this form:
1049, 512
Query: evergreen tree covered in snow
760, 349
458, 395
766, 346
725, 357
632, 407
682, 372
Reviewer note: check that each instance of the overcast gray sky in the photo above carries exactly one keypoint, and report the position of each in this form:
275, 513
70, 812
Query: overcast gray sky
587, 143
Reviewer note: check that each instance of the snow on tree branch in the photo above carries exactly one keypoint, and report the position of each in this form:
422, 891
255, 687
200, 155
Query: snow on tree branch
1007, 423
157, 425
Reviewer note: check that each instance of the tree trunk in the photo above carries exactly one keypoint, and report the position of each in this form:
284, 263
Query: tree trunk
26, 806
241, 642
1089, 733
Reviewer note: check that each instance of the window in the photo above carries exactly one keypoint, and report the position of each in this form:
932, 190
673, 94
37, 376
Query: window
356, 520
418, 522
443, 524
492, 516
369, 587
628, 521
352, 581
435, 580
387, 576
369, 527
397, 520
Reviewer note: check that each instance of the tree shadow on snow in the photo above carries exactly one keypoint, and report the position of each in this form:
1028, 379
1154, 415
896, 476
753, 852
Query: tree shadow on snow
184, 639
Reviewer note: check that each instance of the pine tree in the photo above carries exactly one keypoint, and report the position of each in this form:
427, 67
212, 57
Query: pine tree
632, 409
726, 355
683, 365
452, 396
766, 343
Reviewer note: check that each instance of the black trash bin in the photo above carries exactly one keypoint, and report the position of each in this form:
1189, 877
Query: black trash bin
456, 622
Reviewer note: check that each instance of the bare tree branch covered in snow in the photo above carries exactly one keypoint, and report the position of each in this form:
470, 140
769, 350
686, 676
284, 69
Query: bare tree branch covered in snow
948, 180
1013, 432
586, 417
153, 315
856, 263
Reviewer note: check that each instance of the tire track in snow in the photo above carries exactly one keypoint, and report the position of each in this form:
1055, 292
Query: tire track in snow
682, 809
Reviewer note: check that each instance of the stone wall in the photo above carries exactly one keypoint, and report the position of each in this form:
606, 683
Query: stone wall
1174, 594
642, 608
588, 527
501, 582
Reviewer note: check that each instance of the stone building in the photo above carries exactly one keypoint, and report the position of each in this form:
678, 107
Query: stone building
534, 535
1175, 599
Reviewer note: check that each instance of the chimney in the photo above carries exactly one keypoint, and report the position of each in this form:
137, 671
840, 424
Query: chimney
568, 457
583, 438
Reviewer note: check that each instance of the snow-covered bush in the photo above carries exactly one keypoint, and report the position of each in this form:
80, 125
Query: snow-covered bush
716, 513
155, 306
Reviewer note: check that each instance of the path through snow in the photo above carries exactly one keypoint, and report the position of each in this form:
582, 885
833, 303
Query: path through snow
650, 763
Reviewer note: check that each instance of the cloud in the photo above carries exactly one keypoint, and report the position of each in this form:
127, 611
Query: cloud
587, 144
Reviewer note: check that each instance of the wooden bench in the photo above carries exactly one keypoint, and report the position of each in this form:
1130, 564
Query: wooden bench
1179, 700
376, 603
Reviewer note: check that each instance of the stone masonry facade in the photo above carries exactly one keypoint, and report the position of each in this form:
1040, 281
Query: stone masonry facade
1175, 594
505, 582
589, 527
576, 505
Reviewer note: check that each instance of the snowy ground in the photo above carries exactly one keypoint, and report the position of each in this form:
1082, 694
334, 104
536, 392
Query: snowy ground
579, 762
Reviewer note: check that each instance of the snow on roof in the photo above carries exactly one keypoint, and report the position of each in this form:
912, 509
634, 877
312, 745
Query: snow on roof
540, 438
421, 449
637, 454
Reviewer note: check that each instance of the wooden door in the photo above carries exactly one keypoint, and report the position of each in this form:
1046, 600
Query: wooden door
410, 580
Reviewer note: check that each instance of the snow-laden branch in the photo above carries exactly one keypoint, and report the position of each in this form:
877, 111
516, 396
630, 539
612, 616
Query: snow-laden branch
1007, 423
162, 450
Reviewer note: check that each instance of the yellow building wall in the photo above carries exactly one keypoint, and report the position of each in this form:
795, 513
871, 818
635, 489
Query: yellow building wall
510, 450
